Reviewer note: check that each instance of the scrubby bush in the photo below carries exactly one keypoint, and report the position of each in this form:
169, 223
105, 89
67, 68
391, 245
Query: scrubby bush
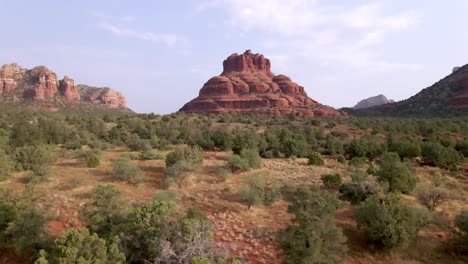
125, 170
314, 236
6, 165
461, 229
431, 197
396, 174
390, 223
149, 154
258, 191
316, 159
35, 159
440, 156
180, 162
166, 196
341, 159
357, 162
92, 158
105, 211
247, 159
79, 246
158, 233
332, 181
405, 148
191, 155
360, 187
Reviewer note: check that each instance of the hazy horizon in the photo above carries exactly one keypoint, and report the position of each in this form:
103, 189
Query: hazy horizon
159, 54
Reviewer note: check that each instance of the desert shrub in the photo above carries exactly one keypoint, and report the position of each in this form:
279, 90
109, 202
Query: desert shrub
166, 196
79, 246
92, 158
149, 154
6, 165
431, 197
180, 162
258, 191
129, 155
332, 181
316, 159
28, 229
125, 170
158, 233
462, 147
247, 159
341, 159
224, 173
360, 187
369, 147
390, 223
34, 158
190, 155
396, 174
105, 211
7, 216
252, 194
405, 148
295, 146
357, 161
135, 143
314, 236
440, 156
461, 229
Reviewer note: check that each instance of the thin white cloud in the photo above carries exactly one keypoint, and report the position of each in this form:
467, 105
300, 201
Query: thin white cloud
205, 5
329, 33
169, 40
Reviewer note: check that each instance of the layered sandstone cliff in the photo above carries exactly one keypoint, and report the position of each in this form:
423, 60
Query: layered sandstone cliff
42, 85
247, 85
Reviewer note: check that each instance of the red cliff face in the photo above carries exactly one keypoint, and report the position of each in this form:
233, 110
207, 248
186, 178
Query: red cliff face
460, 82
247, 85
41, 84
69, 90
45, 81
7, 77
107, 97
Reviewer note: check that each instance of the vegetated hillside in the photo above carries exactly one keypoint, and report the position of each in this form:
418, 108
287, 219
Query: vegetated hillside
447, 97
40, 88
373, 101
247, 85
255, 189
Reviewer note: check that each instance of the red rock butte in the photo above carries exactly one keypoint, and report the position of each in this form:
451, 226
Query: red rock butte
247, 85
41, 84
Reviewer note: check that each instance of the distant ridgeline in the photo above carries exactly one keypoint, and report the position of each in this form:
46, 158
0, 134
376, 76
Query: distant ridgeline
447, 97
39, 88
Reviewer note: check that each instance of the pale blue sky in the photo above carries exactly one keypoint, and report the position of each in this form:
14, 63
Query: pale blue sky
160, 53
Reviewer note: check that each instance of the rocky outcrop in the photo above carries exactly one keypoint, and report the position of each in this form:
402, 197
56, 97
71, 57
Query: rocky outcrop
455, 69
104, 96
46, 83
69, 90
247, 85
7, 77
42, 85
373, 101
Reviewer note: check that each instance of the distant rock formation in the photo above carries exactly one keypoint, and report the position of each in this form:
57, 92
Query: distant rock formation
41, 84
373, 101
449, 96
69, 90
455, 69
247, 85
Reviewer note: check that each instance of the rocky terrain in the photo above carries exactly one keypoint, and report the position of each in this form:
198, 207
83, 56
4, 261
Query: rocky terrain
247, 85
448, 96
373, 101
41, 86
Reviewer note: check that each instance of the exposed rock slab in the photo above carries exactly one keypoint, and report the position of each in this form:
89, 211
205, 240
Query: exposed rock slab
373, 101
